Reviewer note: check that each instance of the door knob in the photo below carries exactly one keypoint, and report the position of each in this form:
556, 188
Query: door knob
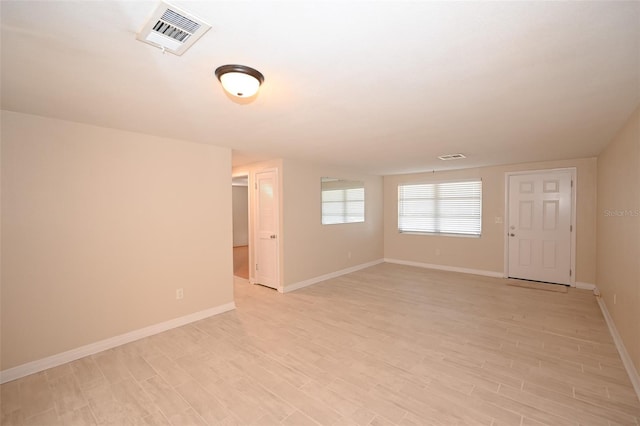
512, 235
272, 237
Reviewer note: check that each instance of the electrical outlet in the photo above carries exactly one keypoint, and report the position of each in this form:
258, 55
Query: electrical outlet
179, 294
349, 255
615, 298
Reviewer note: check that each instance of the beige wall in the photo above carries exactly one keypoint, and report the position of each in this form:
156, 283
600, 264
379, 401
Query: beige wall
309, 249
487, 252
618, 267
99, 229
312, 249
240, 216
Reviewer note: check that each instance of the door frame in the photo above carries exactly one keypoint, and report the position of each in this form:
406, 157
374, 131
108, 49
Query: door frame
253, 231
249, 206
574, 190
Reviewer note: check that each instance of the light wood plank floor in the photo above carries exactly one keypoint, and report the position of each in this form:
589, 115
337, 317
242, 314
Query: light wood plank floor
241, 262
386, 345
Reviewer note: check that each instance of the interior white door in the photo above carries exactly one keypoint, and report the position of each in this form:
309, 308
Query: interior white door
267, 224
539, 227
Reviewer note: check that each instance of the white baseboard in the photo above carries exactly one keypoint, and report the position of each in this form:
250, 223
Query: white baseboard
315, 280
447, 268
585, 286
626, 359
92, 348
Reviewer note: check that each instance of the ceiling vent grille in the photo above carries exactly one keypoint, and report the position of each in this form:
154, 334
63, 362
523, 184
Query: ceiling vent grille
448, 157
172, 29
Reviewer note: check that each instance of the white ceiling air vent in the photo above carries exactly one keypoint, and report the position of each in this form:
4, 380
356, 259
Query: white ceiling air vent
172, 29
448, 157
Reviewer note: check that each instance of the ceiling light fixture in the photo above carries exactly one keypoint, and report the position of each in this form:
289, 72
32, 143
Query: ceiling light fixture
240, 80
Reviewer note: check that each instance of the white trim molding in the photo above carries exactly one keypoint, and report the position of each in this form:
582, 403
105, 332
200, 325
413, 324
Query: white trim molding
315, 280
447, 268
102, 345
585, 286
626, 359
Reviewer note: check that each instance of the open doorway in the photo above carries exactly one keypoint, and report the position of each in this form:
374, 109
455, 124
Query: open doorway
240, 195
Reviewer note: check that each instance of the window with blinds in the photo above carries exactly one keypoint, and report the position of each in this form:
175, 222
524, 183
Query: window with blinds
441, 208
342, 205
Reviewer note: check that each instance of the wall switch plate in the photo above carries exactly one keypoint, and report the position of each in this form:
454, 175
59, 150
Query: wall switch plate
179, 294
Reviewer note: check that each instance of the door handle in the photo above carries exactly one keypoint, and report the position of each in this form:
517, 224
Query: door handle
273, 237
512, 235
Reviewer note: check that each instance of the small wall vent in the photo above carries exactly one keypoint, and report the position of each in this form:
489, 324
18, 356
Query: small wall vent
172, 30
448, 157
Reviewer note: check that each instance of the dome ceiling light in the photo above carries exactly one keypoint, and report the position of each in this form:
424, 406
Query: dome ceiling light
240, 80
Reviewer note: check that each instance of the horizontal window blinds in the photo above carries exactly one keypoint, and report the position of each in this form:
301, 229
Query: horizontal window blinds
441, 208
342, 206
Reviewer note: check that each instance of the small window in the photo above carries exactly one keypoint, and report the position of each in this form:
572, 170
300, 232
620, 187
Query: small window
342, 201
441, 208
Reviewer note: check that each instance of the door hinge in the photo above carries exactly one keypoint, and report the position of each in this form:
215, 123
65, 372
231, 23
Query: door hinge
256, 266
570, 228
570, 272
255, 185
572, 183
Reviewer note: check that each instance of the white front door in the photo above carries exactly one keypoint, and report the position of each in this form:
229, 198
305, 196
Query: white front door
539, 226
267, 224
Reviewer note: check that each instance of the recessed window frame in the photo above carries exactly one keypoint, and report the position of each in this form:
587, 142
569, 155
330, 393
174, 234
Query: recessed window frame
435, 206
348, 198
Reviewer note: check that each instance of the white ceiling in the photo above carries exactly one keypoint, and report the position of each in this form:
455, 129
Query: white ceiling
382, 87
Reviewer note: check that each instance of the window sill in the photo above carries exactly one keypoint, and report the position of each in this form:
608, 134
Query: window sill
440, 234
